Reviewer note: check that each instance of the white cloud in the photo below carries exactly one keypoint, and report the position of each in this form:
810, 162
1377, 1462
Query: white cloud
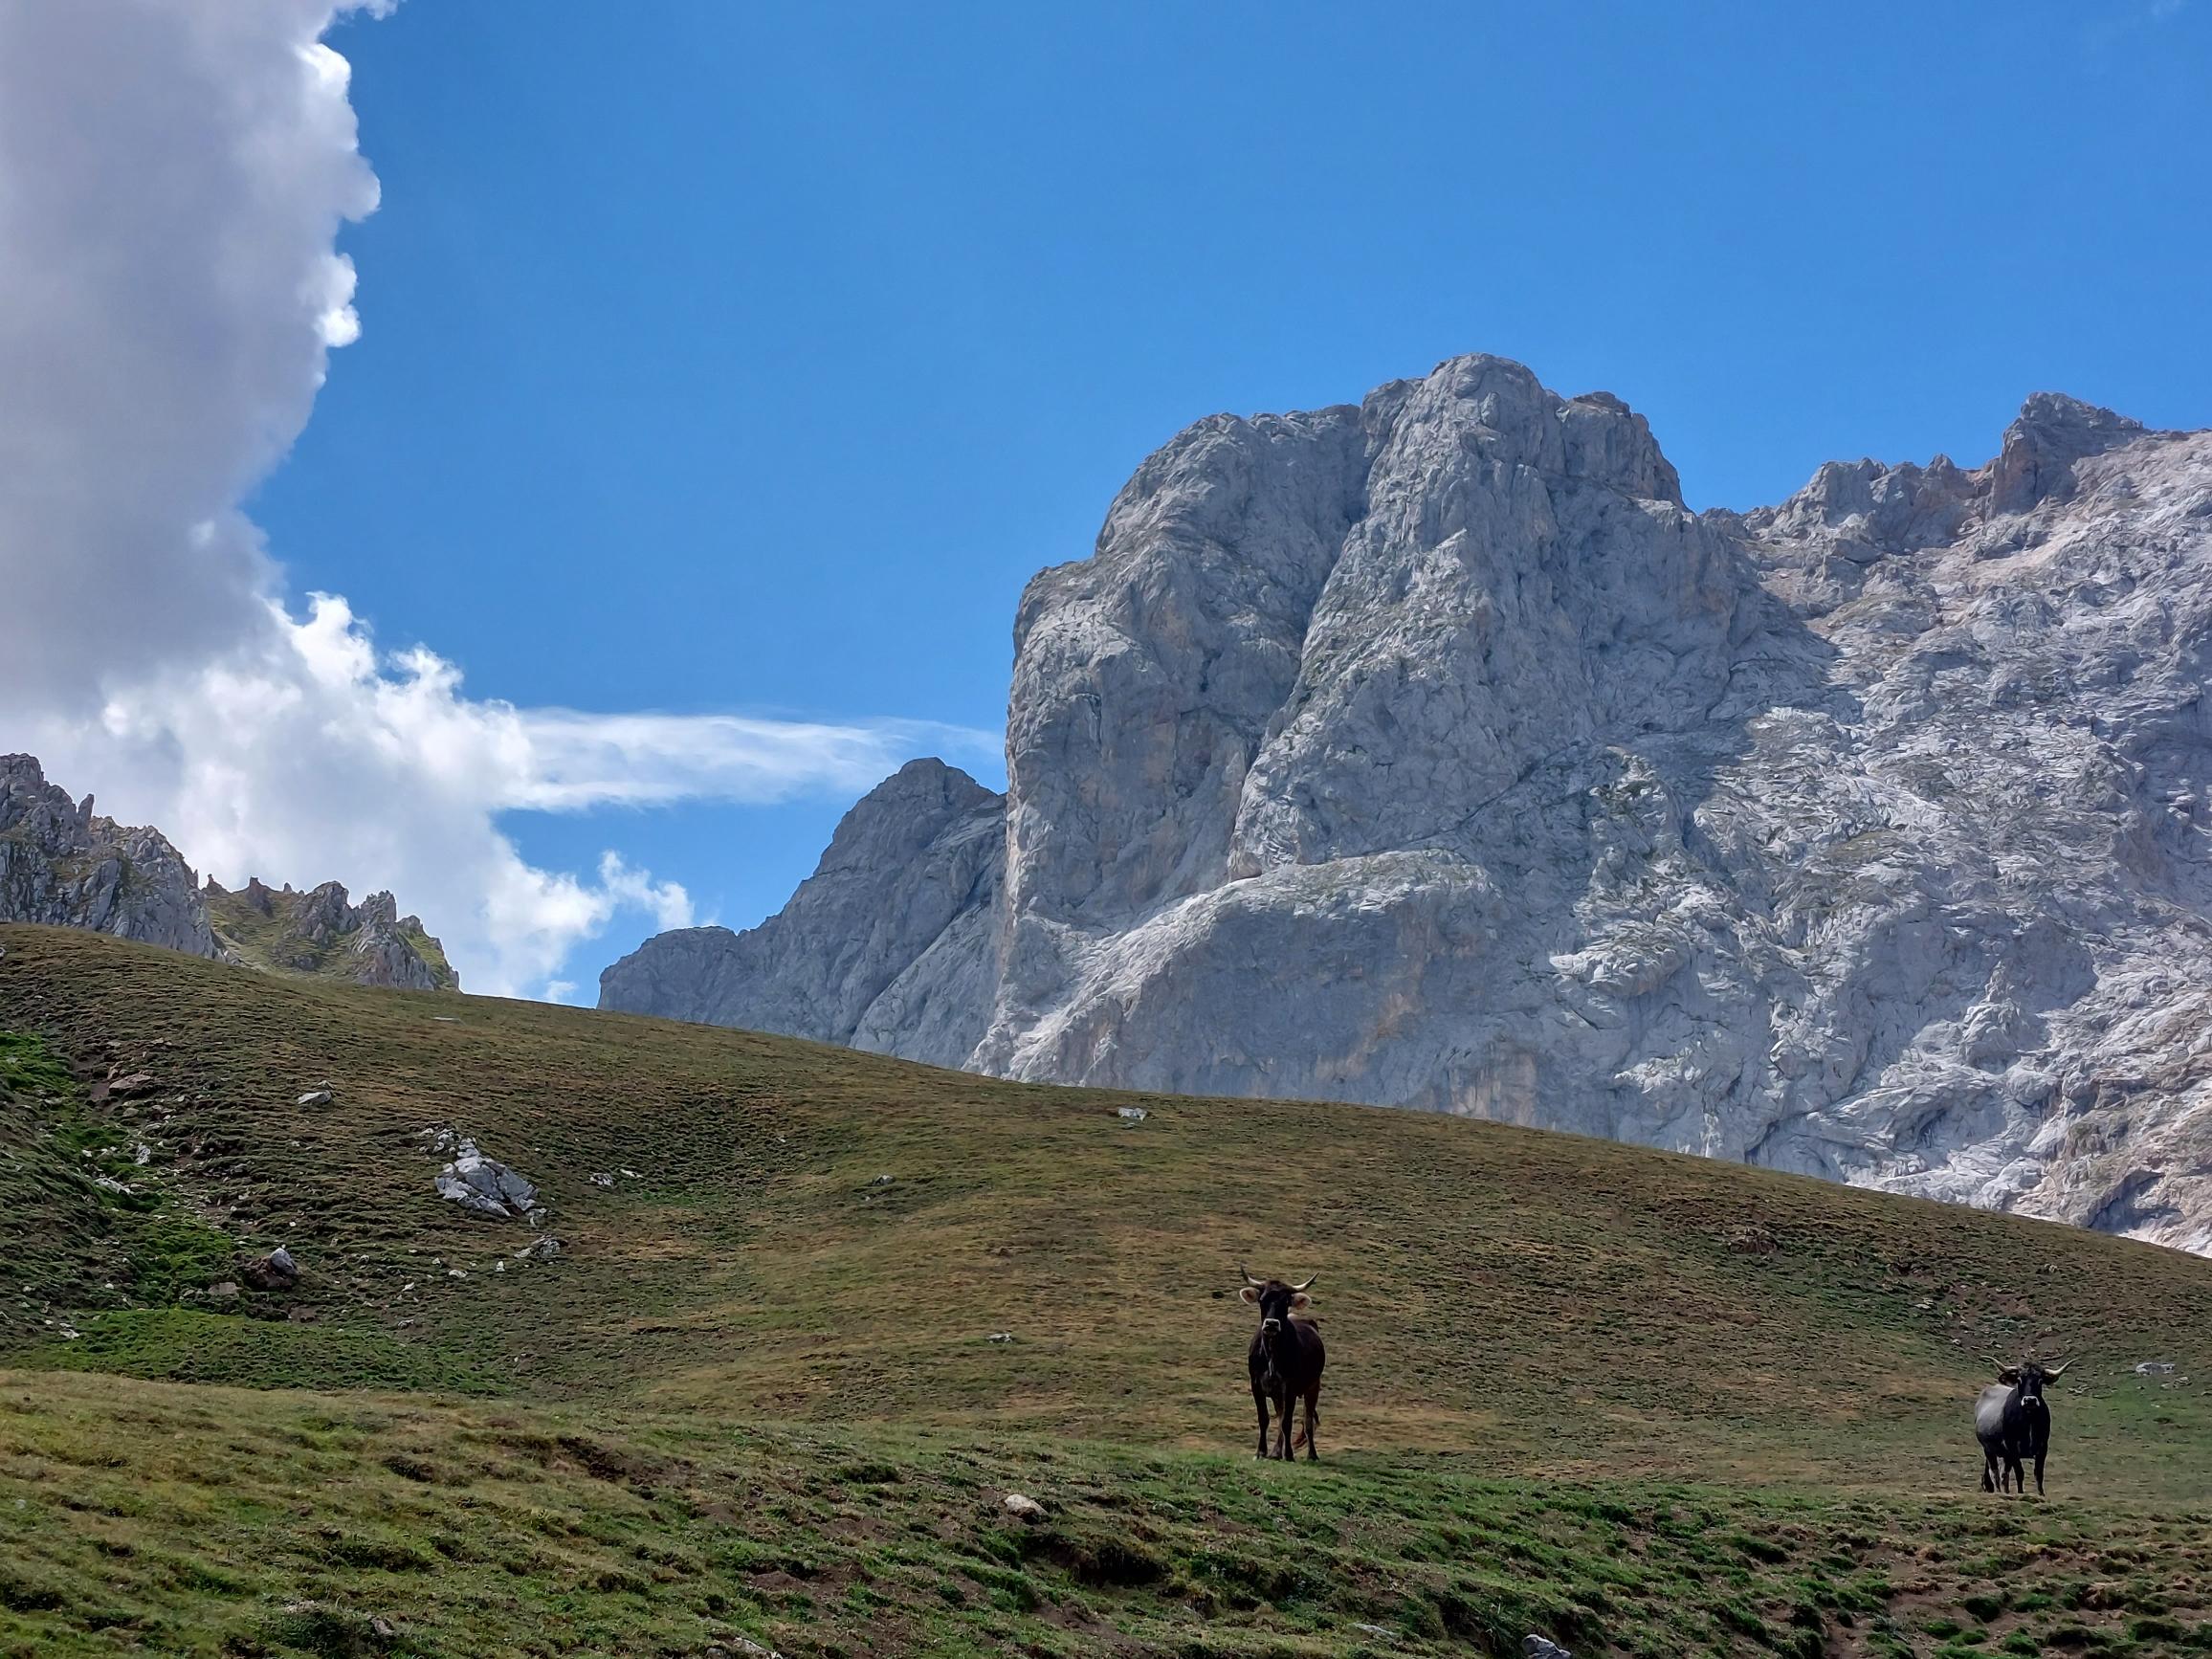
173, 178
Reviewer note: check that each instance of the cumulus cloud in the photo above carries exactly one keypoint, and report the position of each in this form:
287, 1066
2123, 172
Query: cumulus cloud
173, 178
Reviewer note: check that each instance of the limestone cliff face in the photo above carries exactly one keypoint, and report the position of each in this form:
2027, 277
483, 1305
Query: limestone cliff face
889, 945
1429, 752
62, 865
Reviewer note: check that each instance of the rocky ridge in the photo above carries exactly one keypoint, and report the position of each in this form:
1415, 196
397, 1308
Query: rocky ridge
64, 865
1431, 752
322, 932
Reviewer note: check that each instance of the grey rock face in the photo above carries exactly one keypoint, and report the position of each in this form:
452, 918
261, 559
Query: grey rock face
1432, 752
62, 865
888, 945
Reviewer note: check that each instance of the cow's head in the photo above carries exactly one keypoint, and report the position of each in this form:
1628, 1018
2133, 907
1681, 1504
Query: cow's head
1274, 1299
2030, 1377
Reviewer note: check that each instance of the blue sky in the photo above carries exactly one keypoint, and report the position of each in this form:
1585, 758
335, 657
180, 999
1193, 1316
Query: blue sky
723, 357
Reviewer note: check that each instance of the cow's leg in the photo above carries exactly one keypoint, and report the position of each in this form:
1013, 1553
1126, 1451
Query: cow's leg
1260, 1404
1287, 1409
1312, 1421
2017, 1473
1988, 1470
2039, 1474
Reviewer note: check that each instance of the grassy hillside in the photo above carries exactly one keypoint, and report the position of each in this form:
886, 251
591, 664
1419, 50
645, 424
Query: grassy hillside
827, 1240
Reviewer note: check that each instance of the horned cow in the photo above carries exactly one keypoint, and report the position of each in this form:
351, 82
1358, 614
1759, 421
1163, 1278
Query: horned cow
1286, 1361
2013, 1424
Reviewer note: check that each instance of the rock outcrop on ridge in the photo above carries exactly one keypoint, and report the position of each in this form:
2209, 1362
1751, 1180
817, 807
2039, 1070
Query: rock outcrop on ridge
1431, 752
64, 865
322, 932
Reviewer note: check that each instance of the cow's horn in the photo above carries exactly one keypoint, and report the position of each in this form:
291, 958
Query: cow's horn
1248, 1275
2056, 1370
1308, 1285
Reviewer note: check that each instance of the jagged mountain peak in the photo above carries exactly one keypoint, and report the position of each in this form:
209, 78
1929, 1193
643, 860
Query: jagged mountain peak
2054, 432
1426, 751
62, 863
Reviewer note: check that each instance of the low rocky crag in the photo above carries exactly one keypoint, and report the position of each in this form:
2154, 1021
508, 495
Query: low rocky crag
319, 932
1431, 752
62, 864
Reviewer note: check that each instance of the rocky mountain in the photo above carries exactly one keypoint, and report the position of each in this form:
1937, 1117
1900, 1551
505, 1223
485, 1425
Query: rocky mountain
888, 946
64, 865
320, 932
1431, 752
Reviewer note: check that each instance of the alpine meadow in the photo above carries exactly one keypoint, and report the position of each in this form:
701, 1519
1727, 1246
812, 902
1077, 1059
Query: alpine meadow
1099, 832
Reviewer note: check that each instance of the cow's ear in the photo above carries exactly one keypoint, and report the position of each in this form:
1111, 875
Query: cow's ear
1248, 1295
2008, 1374
1301, 1300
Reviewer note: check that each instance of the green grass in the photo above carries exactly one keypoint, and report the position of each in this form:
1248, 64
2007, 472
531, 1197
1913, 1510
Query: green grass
83, 1224
215, 1521
1552, 1360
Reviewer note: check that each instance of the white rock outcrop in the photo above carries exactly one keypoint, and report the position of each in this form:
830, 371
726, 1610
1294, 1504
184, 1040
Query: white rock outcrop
1431, 752
485, 1184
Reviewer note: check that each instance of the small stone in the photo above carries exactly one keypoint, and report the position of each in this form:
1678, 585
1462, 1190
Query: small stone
1023, 1506
1534, 1647
1133, 1113
601, 1178
224, 1292
2153, 1367
315, 1098
275, 1272
999, 1336
137, 1083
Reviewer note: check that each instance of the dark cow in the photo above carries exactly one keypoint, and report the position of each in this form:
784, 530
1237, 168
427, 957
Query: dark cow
1286, 1359
2013, 1423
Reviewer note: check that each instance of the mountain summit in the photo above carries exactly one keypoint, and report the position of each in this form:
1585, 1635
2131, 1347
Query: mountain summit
1429, 752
